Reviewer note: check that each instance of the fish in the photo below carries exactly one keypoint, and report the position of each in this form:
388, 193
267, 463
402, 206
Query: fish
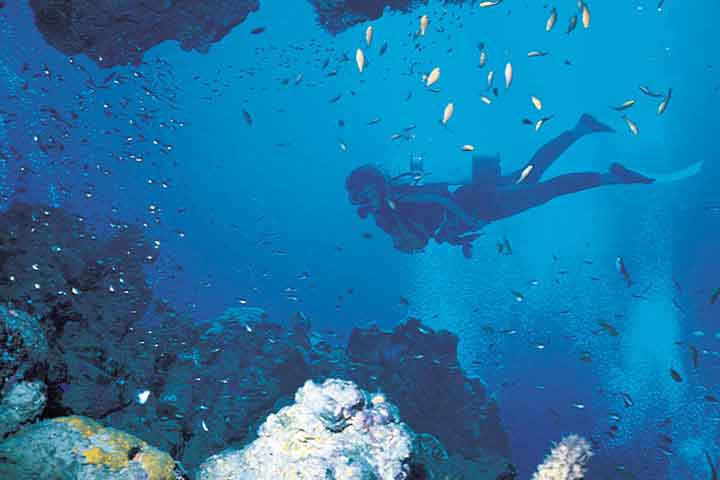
711, 464
695, 356
204, 425
369, 35
712, 399
468, 148
247, 117
536, 53
404, 301
523, 175
519, 297
485, 99
541, 122
646, 90
714, 296
257, 30
490, 3
508, 75
550, 23
675, 375
424, 21
611, 330
536, 102
620, 266
143, 396
631, 125
360, 59
383, 49
585, 16
448, 113
625, 105
483, 58
627, 400
571, 25
505, 247
433, 77
663, 105
490, 78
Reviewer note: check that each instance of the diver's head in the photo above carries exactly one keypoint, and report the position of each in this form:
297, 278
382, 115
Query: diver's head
367, 186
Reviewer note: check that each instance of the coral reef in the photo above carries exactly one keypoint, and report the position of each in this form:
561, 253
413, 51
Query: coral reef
86, 294
77, 447
333, 430
23, 403
566, 460
418, 368
23, 345
191, 388
120, 32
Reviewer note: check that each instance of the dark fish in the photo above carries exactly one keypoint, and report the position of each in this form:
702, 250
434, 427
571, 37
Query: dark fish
404, 301
711, 464
335, 98
572, 24
714, 296
627, 400
675, 375
527, 121
609, 328
646, 90
247, 117
257, 30
695, 356
712, 399
383, 49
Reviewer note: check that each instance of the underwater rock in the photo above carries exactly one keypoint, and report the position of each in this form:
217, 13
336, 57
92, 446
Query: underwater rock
333, 430
77, 447
418, 368
211, 383
120, 32
22, 344
336, 16
430, 461
86, 294
22, 404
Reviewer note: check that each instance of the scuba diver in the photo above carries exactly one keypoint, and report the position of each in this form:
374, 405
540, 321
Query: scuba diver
412, 214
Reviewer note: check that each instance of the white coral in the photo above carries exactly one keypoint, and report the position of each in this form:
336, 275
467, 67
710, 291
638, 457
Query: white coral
333, 430
566, 460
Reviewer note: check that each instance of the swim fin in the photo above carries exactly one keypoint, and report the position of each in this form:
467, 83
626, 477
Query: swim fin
589, 124
620, 174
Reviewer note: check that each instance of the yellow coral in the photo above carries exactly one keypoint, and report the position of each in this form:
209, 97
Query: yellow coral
97, 456
111, 448
82, 424
157, 464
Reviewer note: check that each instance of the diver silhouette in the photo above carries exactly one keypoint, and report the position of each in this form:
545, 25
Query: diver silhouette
412, 214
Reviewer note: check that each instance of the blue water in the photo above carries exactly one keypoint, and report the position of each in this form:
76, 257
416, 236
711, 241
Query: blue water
258, 213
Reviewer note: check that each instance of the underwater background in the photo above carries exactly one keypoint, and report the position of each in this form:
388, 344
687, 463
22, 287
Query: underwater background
232, 164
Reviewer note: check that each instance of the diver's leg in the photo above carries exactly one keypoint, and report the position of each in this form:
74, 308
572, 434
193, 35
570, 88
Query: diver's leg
513, 200
552, 150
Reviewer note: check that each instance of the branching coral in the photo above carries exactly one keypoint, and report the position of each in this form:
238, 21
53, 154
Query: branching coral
566, 460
